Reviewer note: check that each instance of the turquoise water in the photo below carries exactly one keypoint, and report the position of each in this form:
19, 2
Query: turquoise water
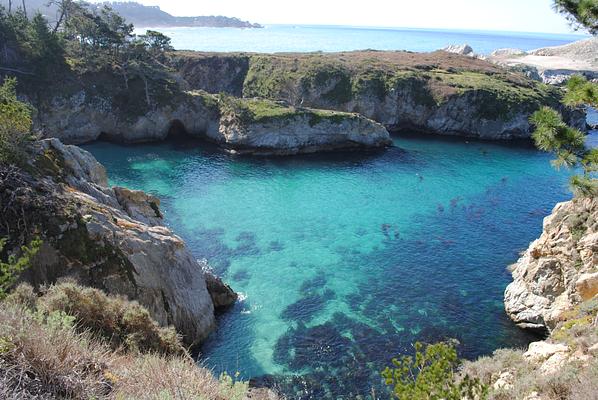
301, 38
344, 260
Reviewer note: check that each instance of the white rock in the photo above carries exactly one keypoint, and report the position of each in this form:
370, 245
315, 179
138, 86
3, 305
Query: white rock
463, 49
542, 350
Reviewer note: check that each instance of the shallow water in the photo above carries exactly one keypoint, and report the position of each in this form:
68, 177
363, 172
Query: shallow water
301, 38
344, 260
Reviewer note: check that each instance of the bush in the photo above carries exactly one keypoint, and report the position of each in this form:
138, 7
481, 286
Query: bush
42, 356
15, 124
121, 322
10, 270
432, 374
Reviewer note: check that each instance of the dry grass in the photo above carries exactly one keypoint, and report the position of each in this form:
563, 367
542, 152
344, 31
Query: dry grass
576, 380
43, 356
121, 322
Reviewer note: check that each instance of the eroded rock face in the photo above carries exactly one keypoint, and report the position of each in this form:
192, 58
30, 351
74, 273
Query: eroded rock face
559, 270
301, 132
111, 239
86, 116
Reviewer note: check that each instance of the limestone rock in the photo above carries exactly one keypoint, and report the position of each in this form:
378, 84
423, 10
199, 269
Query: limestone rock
587, 284
559, 270
299, 131
463, 49
543, 350
507, 52
139, 205
104, 238
222, 294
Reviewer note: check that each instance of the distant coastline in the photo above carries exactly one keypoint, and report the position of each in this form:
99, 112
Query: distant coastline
152, 16
141, 15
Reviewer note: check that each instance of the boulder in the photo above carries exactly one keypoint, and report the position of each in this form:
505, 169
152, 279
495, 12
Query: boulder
462, 49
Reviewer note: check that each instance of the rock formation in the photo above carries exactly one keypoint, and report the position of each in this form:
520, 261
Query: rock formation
440, 92
559, 270
265, 127
111, 239
463, 49
554, 65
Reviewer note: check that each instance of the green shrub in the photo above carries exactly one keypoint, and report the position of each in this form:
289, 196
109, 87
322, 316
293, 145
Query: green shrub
123, 323
10, 270
432, 374
15, 124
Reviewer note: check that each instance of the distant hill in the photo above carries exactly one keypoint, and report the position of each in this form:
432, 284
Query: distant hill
152, 16
140, 15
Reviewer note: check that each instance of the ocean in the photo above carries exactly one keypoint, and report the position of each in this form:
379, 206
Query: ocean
305, 38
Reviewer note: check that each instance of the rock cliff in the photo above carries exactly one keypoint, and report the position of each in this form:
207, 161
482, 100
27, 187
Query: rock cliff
111, 239
559, 270
440, 92
241, 125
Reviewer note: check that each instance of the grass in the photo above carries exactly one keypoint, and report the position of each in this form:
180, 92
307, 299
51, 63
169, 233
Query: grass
333, 80
47, 353
248, 111
575, 380
122, 323
499, 97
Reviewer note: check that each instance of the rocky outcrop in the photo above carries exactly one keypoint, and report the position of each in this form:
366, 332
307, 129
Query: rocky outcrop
265, 127
463, 49
85, 116
554, 65
440, 92
240, 125
111, 239
559, 270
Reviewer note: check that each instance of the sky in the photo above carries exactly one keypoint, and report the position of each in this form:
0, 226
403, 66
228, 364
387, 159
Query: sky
502, 15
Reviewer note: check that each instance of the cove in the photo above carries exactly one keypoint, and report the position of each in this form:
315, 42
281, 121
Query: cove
344, 260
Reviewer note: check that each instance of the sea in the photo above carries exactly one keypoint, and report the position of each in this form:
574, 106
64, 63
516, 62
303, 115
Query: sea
308, 38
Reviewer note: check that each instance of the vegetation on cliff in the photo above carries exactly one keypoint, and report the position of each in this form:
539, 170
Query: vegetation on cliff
52, 348
432, 374
15, 124
431, 78
90, 48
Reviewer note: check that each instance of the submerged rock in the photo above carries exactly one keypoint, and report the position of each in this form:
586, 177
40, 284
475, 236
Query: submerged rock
111, 239
559, 270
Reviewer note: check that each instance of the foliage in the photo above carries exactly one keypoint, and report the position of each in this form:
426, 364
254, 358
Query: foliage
581, 13
14, 266
580, 92
554, 135
431, 375
123, 323
28, 47
85, 39
46, 355
15, 123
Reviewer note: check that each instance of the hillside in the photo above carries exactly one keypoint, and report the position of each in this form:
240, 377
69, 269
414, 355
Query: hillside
147, 16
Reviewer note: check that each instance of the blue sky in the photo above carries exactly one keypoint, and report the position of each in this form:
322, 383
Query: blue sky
505, 15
